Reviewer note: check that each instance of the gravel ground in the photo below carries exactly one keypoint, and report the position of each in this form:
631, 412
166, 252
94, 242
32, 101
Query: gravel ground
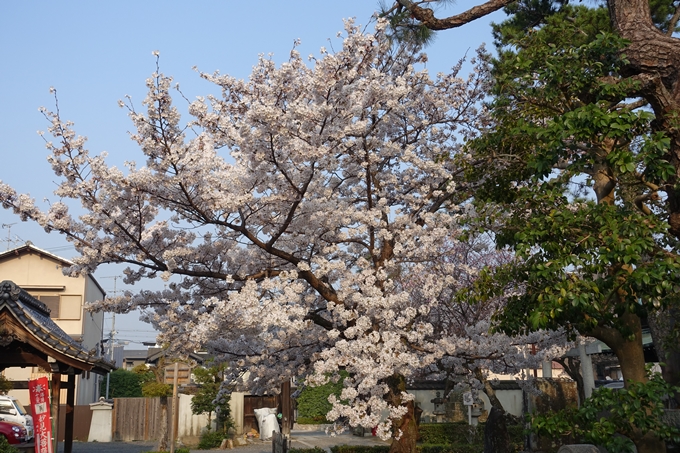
303, 439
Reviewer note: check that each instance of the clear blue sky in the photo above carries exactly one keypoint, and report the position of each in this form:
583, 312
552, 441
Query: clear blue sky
95, 52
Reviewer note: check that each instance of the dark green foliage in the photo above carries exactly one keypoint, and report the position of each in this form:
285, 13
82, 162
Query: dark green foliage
453, 437
205, 399
557, 106
403, 28
211, 439
313, 405
446, 433
307, 450
5, 447
5, 385
122, 384
360, 449
155, 389
145, 373
614, 411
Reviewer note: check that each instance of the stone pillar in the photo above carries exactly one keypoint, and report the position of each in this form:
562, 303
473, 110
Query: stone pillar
547, 369
100, 427
236, 403
586, 370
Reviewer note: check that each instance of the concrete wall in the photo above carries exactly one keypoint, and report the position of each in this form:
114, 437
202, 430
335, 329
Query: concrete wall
190, 425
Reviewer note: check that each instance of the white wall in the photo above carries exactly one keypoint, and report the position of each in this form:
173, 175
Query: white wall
191, 425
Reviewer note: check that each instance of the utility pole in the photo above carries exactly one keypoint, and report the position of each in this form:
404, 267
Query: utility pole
112, 333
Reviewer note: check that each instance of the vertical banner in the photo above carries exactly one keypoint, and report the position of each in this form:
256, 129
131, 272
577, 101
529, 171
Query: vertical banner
40, 404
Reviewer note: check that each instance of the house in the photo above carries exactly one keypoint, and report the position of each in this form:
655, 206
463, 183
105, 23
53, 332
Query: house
39, 273
133, 357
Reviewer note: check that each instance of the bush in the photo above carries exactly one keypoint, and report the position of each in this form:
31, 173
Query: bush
360, 449
318, 420
122, 384
307, 450
211, 439
455, 437
313, 405
450, 433
5, 447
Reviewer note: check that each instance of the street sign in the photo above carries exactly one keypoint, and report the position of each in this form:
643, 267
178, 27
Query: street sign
467, 399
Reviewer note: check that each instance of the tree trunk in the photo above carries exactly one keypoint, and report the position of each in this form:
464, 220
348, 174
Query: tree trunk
632, 360
496, 436
572, 366
663, 324
405, 430
163, 432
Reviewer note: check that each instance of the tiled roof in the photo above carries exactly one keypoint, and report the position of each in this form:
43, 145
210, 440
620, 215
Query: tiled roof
34, 316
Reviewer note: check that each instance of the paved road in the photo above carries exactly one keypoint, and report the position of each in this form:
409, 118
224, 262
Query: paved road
301, 439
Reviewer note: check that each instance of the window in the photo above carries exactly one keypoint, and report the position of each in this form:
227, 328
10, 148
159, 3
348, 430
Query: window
64, 306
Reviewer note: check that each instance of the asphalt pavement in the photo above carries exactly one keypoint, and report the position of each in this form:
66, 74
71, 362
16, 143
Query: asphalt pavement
299, 439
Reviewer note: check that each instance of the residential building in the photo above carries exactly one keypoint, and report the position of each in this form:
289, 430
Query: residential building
39, 273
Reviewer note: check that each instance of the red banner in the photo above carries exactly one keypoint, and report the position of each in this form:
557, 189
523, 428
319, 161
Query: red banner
42, 424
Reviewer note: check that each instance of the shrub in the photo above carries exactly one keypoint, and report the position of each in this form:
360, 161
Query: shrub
459, 436
122, 384
5, 447
313, 405
211, 439
307, 450
5, 385
360, 449
449, 433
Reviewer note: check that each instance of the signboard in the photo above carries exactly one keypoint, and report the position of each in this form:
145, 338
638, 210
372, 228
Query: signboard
183, 374
40, 405
467, 399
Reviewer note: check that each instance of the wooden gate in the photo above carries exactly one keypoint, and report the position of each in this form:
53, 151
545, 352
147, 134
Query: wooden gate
252, 402
82, 417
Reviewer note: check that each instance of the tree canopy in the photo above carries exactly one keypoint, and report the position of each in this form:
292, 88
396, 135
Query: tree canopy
310, 225
580, 171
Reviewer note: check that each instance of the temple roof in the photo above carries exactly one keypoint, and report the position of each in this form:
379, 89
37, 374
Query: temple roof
26, 329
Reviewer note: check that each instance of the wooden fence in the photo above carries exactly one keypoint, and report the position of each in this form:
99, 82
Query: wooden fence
138, 418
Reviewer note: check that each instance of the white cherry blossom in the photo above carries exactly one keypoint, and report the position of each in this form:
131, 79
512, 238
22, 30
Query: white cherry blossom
302, 230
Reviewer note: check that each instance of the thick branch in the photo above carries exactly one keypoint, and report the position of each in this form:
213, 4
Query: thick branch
427, 18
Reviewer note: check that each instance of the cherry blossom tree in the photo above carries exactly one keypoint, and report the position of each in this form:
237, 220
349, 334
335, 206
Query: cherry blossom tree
286, 223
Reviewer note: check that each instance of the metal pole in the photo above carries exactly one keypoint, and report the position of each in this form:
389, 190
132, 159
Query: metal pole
111, 334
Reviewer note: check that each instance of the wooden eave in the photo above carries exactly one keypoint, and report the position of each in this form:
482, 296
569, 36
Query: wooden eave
28, 333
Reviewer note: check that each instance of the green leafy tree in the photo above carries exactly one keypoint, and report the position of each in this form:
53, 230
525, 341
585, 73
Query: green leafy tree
577, 178
122, 384
5, 385
208, 399
639, 407
645, 70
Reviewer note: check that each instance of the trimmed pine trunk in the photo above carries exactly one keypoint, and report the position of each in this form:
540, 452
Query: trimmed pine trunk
405, 430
